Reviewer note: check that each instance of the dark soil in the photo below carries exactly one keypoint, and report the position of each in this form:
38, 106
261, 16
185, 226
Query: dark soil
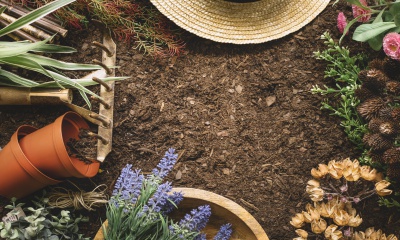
242, 119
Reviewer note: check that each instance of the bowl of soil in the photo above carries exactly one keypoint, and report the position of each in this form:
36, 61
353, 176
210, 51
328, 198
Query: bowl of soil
223, 210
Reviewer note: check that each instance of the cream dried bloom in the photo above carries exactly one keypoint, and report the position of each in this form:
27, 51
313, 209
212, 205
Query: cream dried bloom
332, 233
302, 233
381, 188
341, 217
297, 220
320, 172
355, 221
351, 169
318, 226
368, 173
335, 169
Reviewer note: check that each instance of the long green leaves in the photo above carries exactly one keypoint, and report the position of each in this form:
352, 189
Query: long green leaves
19, 55
34, 15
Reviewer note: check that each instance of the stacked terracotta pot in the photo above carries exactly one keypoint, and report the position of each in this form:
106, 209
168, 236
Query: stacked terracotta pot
35, 158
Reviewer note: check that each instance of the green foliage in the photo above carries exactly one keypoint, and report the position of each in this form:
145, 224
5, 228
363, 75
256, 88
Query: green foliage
344, 69
40, 223
385, 18
19, 55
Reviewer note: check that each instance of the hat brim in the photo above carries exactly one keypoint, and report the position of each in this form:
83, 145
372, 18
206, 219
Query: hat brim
241, 23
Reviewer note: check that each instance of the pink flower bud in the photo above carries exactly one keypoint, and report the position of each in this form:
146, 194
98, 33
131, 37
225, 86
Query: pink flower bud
341, 22
391, 45
358, 11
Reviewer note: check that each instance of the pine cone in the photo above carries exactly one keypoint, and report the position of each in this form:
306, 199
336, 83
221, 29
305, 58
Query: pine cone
370, 107
393, 171
377, 142
385, 114
376, 156
391, 156
393, 87
364, 93
373, 79
386, 128
391, 68
395, 114
376, 64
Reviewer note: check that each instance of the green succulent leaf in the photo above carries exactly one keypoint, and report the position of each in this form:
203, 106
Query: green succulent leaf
365, 32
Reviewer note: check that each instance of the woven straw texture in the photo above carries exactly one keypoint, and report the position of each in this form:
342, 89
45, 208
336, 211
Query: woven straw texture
241, 23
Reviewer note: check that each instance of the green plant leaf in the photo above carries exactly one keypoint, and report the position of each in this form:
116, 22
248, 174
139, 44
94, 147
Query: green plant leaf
34, 15
357, 3
379, 18
365, 32
346, 29
396, 19
18, 80
376, 42
395, 8
48, 48
18, 50
45, 61
2, 9
83, 81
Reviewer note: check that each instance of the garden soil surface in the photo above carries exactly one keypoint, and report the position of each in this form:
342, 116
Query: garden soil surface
241, 118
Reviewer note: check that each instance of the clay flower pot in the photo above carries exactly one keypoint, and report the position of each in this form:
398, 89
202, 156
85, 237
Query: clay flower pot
46, 148
18, 177
223, 210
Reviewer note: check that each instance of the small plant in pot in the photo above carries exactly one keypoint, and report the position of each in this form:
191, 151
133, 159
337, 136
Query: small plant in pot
142, 207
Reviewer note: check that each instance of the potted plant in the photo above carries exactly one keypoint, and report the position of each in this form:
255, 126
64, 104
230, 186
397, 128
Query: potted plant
144, 208
34, 158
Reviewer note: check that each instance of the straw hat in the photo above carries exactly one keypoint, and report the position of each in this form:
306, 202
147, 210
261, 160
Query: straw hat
241, 22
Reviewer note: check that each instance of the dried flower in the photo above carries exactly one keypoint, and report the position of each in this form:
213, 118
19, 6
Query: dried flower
335, 169
302, 233
224, 232
365, 14
297, 220
332, 233
355, 221
341, 217
381, 188
341, 22
391, 45
368, 173
320, 172
370, 233
351, 170
318, 226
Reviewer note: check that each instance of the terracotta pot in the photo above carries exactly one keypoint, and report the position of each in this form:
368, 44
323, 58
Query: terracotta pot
223, 210
47, 151
18, 177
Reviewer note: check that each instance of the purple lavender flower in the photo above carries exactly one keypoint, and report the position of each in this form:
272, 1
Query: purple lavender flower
166, 164
224, 232
159, 199
129, 184
172, 202
201, 236
197, 219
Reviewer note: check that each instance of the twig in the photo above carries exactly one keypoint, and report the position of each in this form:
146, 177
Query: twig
20, 33
27, 28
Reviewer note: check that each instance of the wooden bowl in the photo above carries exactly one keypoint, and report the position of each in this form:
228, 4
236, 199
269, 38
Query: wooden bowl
223, 210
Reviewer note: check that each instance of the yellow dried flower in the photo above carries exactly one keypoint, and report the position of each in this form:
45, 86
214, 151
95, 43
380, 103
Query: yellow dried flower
302, 233
332, 233
326, 209
335, 169
351, 170
381, 188
368, 173
317, 194
355, 221
318, 226
307, 217
312, 184
297, 220
320, 172
341, 217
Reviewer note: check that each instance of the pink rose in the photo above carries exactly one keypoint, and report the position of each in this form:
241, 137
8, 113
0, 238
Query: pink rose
341, 22
391, 45
365, 14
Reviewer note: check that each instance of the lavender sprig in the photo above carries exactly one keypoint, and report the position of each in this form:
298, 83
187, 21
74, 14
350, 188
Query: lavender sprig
197, 219
166, 164
224, 232
129, 184
173, 200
